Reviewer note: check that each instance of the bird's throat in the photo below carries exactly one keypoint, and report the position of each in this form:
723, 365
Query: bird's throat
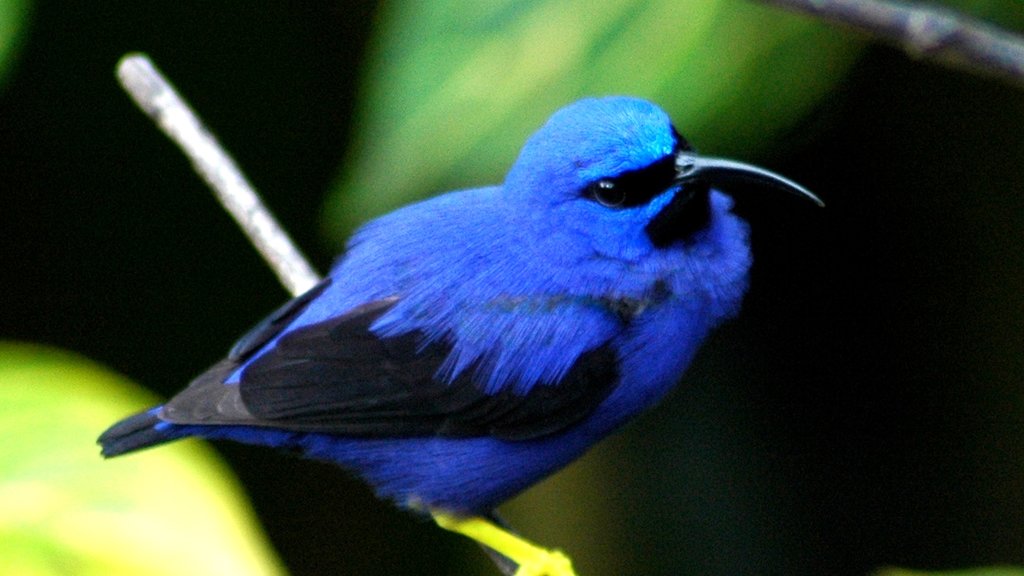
688, 212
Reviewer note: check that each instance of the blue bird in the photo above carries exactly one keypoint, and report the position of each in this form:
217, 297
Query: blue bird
467, 346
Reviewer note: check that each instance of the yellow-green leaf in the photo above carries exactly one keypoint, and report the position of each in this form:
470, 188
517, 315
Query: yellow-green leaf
64, 510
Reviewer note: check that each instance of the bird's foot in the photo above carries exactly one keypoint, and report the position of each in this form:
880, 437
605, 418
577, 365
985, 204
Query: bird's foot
545, 563
532, 560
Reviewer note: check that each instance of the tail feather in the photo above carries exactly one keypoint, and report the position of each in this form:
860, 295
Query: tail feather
134, 433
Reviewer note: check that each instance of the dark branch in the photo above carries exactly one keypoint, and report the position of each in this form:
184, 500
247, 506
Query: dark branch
926, 32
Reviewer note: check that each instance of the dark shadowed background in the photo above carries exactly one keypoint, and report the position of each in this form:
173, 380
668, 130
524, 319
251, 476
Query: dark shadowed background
865, 409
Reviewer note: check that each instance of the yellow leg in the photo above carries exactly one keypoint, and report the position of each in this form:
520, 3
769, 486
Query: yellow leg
532, 559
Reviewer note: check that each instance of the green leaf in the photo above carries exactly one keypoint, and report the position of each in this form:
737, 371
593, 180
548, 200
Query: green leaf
453, 90
13, 21
64, 510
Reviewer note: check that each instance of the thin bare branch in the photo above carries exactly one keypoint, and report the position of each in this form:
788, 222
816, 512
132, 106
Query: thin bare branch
927, 32
159, 100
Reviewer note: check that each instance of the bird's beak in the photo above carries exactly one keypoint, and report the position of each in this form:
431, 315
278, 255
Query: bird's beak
688, 210
719, 171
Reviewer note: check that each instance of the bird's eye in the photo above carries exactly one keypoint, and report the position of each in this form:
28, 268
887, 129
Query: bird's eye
635, 187
607, 194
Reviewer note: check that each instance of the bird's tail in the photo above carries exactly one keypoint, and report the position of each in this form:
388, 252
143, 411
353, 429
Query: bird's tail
135, 433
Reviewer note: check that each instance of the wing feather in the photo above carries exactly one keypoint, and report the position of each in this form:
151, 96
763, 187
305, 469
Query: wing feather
338, 377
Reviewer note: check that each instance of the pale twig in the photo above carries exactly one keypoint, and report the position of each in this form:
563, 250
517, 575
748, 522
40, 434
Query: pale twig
159, 100
927, 32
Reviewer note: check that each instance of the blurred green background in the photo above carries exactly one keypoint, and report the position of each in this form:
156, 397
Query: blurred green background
865, 410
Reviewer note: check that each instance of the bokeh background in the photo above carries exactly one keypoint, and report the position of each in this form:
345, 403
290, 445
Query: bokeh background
865, 410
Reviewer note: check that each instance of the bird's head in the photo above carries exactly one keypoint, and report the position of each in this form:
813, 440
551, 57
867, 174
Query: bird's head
616, 170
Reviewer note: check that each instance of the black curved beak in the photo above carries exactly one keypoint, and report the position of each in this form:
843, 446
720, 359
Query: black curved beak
689, 209
723, 172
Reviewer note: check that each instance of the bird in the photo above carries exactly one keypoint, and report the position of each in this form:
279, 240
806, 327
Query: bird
467, 346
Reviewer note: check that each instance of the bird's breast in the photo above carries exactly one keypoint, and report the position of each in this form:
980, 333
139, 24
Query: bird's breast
653, 352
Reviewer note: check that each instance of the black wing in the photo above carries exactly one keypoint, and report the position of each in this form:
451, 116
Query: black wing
263, 332
338, 377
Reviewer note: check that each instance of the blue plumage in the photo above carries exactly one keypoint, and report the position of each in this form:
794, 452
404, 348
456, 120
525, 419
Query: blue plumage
469, 345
